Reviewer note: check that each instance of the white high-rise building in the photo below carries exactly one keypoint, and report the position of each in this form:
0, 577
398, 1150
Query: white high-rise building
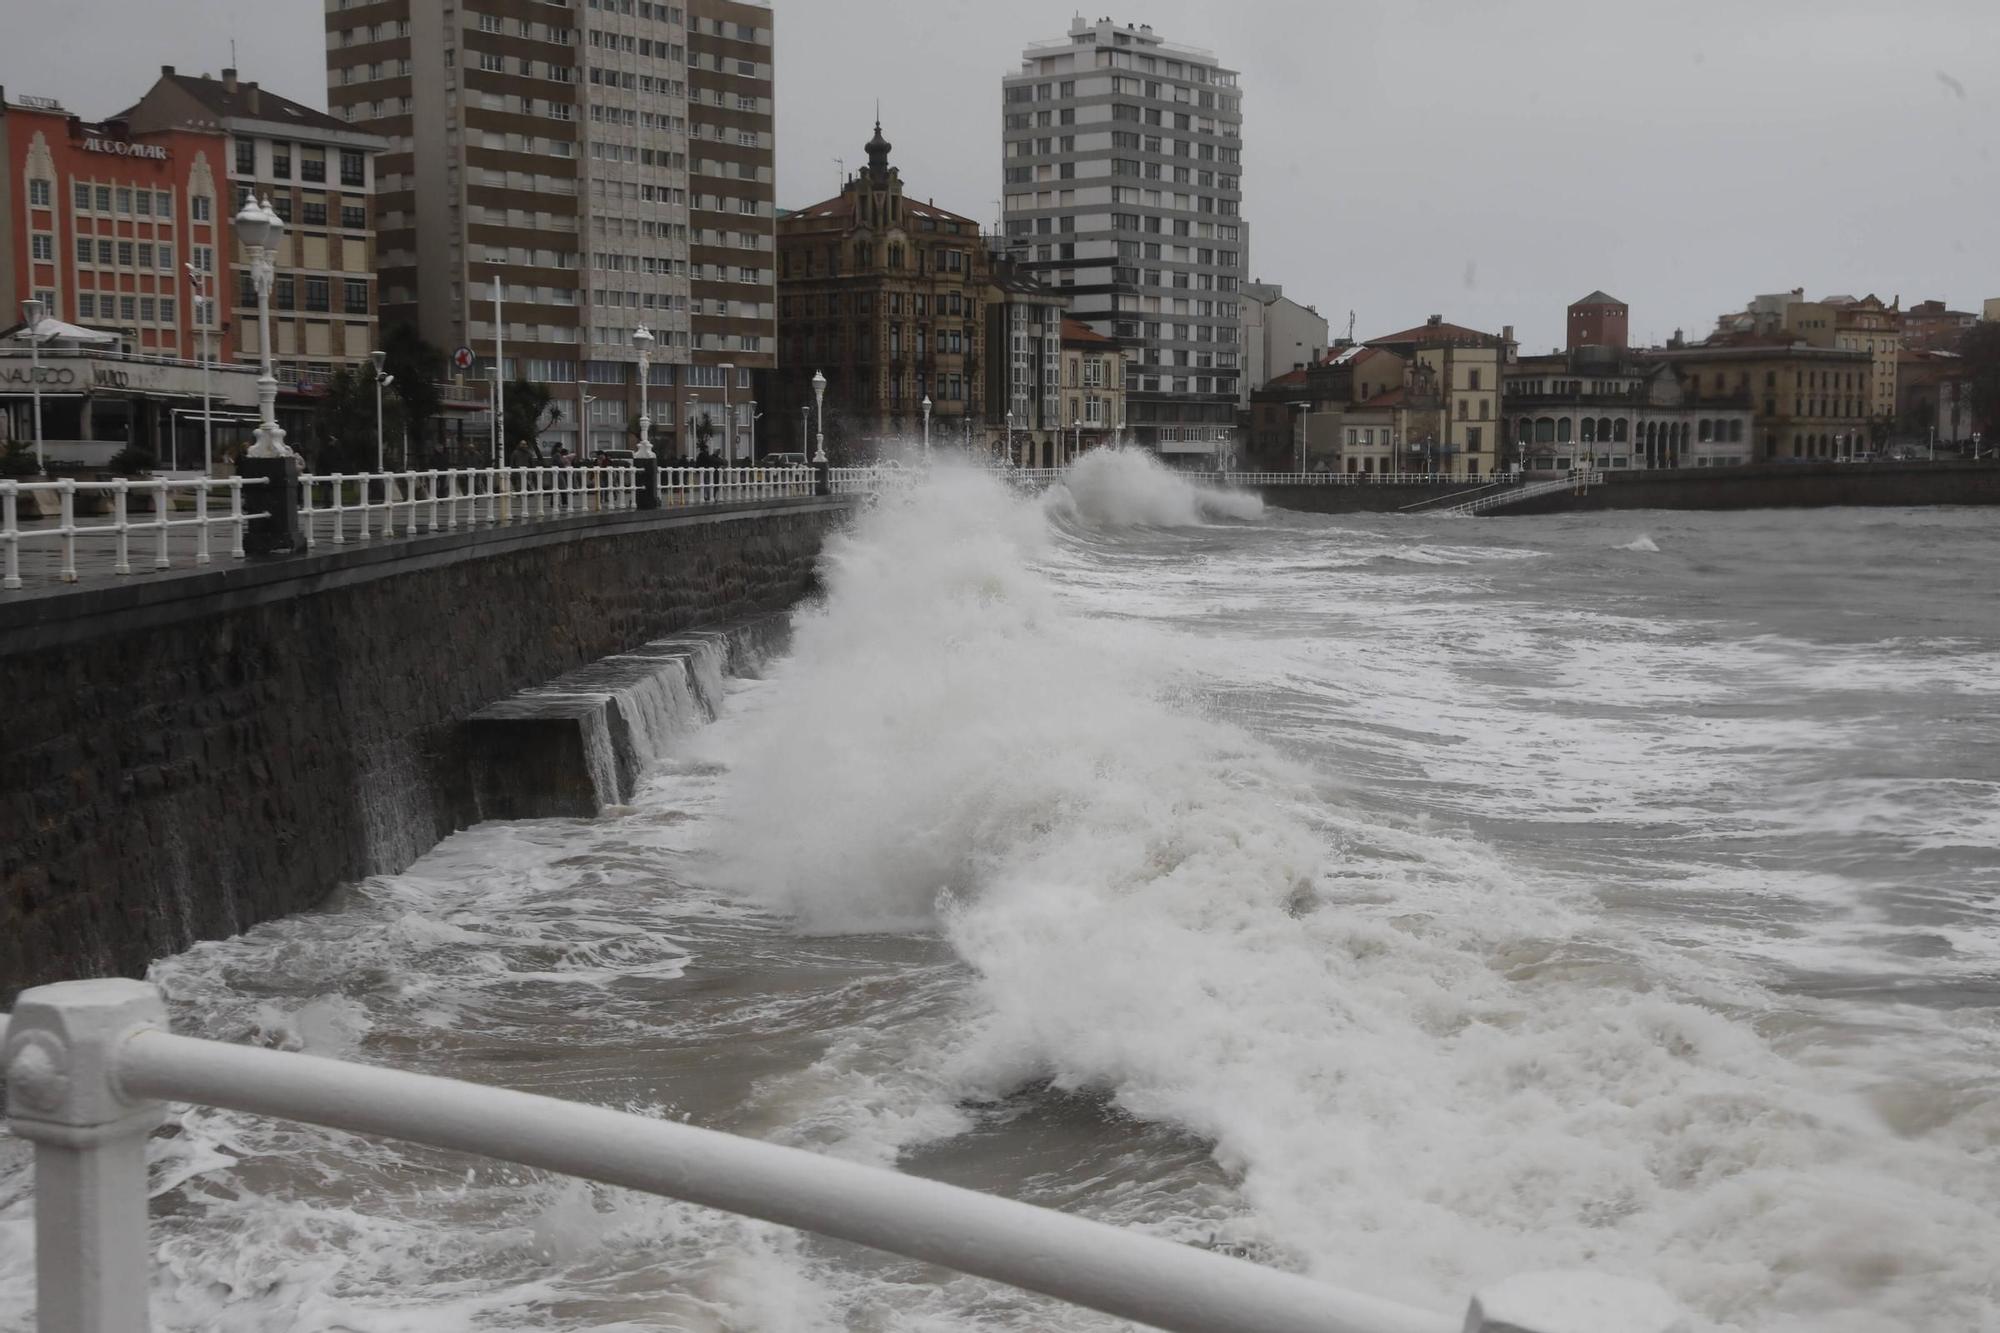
1122, 167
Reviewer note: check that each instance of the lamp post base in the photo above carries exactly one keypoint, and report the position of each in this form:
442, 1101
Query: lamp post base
274, 505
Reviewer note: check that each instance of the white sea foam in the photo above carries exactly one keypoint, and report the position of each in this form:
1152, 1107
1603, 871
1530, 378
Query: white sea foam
1128, 488
1641, 543
1425, 1069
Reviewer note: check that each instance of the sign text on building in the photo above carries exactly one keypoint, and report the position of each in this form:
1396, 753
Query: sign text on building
121, 148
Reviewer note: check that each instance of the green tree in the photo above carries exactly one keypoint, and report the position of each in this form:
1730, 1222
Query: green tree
418, 368
531, 409
343, 424
1980, 349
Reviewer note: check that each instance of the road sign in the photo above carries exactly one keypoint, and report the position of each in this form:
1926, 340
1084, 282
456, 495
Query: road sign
462, 358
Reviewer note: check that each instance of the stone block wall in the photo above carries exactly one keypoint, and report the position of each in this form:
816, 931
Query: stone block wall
183, 757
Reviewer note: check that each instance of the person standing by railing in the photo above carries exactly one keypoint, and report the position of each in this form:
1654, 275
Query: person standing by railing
564, 460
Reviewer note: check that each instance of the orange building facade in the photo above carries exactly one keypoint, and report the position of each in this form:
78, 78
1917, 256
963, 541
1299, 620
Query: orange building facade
101, 224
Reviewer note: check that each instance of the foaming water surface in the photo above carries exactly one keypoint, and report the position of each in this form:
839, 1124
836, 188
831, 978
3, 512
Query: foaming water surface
1407, 902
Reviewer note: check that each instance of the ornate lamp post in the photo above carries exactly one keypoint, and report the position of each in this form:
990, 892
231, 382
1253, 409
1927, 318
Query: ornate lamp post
642, 339
1076, 424
754, 415
1009, 456
204, 313
260, 229
33, 311
728, 368
927, 428
819, 415
382, 382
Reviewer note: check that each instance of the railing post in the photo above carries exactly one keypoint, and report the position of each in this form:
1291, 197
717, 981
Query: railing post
273, 500
649, 483
66, 488
1573, 1303
118, 511
92, 1258
10, 531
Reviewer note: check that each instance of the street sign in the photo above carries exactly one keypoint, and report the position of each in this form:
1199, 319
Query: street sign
462, 358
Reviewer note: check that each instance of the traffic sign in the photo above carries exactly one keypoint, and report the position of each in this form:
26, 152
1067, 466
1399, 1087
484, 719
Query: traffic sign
462, 358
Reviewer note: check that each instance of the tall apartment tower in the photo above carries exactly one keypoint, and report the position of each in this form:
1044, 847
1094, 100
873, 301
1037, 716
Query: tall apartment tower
547, 147
1122, 171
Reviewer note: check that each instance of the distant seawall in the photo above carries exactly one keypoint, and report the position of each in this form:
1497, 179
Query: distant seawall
1781, 486
183, 758
1359, 498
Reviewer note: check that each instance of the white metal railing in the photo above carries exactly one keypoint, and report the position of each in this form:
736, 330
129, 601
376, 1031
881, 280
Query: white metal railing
212, 502
728, 485
872, 479
445, 499
90, 1067
363, 506
1577, 479
1347, 478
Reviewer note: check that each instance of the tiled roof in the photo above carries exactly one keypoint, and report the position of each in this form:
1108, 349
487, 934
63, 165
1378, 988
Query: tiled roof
1351, 356
1291, 379
1433, 333
1387, 398
225, 103
1599, 297
1076, 331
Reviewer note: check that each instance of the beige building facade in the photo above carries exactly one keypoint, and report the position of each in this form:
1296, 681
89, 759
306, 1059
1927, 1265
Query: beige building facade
1093, 386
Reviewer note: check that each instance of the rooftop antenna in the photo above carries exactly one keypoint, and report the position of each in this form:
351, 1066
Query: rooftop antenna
1350, 326
232, 53
841, 163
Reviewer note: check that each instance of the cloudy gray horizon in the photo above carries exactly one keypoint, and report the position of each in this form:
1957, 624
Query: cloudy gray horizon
1486, 162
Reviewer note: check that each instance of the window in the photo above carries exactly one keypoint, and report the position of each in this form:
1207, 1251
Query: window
312, 169
104, 198
80, 196
104, 253
246, 157
147, 309
125, 253
313, 215
83, 250
86, 305
165, 256
44, 246
201, 208
355, 296
353, 216
39, 193
124, 201
281, 160
145, 255
128, 307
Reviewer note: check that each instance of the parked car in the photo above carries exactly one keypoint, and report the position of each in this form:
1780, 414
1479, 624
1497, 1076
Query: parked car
785, 460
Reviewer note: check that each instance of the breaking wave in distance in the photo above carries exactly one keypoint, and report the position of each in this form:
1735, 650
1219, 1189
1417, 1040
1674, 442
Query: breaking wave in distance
1129, 488
1422, 1068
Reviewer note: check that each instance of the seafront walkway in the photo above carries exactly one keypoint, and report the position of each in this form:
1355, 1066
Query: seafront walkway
56, 536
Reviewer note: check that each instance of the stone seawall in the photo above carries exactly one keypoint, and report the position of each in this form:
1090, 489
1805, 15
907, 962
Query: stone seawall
1359, 499
183, 757
1781, 486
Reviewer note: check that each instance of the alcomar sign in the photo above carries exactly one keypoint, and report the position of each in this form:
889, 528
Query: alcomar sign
97, 143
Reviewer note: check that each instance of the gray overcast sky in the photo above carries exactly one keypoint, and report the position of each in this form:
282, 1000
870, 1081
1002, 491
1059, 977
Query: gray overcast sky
1487, 161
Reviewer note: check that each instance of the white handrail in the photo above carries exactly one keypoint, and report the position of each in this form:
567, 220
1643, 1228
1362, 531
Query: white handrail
163, 491
89, 1062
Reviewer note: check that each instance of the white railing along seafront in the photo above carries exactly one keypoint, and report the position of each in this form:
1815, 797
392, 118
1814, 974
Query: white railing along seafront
91, 1065
125, 525
214, 503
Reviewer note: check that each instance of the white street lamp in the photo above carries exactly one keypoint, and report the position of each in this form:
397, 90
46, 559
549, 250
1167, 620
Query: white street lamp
927, 428
728, 368
204, 313
805, 429
642, 339
382, 382
819, 410
1076, 423
33, 311
260, 229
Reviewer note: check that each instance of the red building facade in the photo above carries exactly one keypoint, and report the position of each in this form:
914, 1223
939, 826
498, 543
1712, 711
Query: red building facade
1599, 320
100, 225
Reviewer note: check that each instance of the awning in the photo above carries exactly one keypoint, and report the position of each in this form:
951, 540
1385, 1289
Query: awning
49, 329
